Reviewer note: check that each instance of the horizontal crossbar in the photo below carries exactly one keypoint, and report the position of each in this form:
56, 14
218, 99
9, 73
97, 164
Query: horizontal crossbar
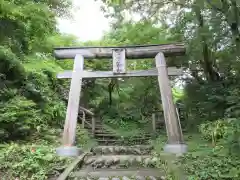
132, 52
172, 71
145, 172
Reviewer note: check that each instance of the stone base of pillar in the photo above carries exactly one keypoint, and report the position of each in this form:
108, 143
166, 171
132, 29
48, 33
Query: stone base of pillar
177, 149
69, 151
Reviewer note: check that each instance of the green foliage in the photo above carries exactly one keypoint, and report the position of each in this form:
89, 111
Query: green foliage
83, 140
11, 69
30, 162
210, 163
226, 131
42, 88
19, 117
125, 128
136, 33
29, 94
202, 162
32, 106
37, 158
210, 31
213, 130
30, 97
25, 24
130, 92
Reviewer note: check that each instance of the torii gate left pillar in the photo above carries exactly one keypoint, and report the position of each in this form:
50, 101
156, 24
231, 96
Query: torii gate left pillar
70, 126
175, 142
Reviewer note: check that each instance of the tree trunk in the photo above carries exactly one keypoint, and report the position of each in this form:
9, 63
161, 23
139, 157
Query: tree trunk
207, 63
235, 25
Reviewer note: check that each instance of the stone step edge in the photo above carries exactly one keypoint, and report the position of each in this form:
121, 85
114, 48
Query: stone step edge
117, 146
118, 156
139, 149
120, 159
97, 173
121, 140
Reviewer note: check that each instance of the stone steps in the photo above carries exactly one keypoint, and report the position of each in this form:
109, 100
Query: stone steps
112, 150
104, 136
119, 162
116, 141
127, 174
116, 156
112, 135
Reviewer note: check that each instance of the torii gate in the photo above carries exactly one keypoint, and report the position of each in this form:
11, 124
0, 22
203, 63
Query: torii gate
175, 143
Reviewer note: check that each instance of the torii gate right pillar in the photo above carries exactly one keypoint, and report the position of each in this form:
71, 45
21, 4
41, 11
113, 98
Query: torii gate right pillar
175, 142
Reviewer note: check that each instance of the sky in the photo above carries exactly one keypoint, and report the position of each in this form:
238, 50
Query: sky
88, 21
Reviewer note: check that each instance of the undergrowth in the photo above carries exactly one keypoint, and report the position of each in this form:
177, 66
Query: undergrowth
36, 158
30, 161
205, 160
127, 129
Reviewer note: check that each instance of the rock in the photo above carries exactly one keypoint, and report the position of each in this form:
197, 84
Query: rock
152, 178
140, 178
147, 161
116, 178
125, 178
103, 178
89, 161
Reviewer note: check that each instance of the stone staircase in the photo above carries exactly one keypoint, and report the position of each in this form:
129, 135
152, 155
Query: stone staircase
118, 162
103, 136
113, 158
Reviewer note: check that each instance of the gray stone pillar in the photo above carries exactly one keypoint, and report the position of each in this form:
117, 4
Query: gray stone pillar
175, 142
68, 148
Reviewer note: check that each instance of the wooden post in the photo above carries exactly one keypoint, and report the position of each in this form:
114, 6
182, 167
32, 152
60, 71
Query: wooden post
175, 137
178, 114
83, 119
69, 133
154, 122
93, 125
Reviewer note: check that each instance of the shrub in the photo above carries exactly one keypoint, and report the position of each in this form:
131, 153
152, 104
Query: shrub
18, 117
227, 131
29, 95
83, 140
214, 164
214, 130
28, 162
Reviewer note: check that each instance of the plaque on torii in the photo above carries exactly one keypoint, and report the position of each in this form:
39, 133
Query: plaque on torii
175, 142
119, 61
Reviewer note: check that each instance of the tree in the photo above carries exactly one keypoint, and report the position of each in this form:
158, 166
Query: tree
210, 31
28, 83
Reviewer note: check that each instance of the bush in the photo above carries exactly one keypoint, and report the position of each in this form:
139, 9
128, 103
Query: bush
29, 95
227, 131
201, 162
232, 136
214, 164
11, 67
83, 140
214, 130
18, 117
30, 162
